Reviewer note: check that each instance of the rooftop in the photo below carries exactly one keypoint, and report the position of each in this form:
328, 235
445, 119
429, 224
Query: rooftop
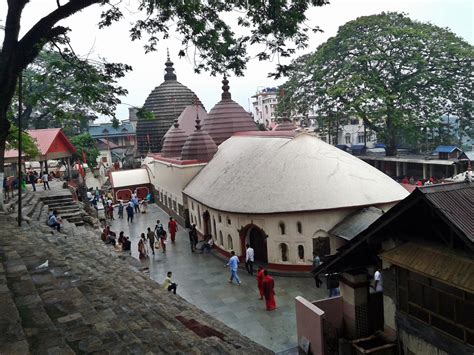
105, 130
300, 174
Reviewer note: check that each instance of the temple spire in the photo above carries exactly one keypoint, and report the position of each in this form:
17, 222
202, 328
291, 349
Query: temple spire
225, 89
170, 75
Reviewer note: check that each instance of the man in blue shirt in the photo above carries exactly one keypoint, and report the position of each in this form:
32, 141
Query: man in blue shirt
233, 265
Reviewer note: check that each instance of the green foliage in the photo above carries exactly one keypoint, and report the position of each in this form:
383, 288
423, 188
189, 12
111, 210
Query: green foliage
84, 142
61, 90
397, 74
145, 114
28, 144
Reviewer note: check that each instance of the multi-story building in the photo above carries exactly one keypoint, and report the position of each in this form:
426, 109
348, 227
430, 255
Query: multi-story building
264, 104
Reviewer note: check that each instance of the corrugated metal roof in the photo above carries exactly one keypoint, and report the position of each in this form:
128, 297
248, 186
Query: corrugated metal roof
456, 202
131, 177
433, 261
106, 130
356, 222
445, 149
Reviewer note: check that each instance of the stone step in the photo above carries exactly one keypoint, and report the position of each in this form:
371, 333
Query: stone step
37, 212
49, 199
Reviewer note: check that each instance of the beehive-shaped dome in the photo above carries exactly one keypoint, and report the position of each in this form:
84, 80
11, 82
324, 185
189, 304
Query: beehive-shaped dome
285, 125
199, 145
174, 141
227, 117
165, 102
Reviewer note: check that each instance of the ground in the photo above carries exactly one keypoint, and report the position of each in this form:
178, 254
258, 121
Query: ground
203, 281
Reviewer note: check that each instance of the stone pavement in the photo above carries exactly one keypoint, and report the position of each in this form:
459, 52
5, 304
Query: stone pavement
202, 280
91, 299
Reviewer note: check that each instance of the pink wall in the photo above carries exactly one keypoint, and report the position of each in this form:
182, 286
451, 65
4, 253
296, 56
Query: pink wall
333, 310
309, 324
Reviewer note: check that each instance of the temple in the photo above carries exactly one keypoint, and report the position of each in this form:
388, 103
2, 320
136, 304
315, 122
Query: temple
280, 191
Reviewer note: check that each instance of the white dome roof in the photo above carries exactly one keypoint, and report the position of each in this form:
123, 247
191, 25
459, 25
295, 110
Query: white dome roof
252, 174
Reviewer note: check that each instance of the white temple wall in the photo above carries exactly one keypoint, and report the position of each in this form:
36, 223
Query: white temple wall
171, 179
313, 225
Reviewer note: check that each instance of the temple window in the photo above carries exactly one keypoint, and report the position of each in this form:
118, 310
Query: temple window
284, 252
219, 218
229, 222
301, 252
299, 227
221, 238
192, 206
282, 228
230, 244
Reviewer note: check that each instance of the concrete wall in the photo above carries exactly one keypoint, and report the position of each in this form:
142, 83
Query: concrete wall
332, 308
414, 345
309, 324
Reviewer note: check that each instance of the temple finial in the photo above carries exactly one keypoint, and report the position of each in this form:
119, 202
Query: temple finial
170, 75
225, 89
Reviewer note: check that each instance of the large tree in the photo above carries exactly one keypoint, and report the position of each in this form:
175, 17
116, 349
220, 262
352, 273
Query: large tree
203, 25
62, 90
398, 75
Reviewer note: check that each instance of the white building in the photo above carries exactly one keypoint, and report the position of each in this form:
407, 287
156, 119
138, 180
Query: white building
264, 104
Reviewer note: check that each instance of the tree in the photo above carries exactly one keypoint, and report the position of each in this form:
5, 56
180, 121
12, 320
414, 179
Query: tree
61, 90
29, 147
397, 74
201, 24
85, 143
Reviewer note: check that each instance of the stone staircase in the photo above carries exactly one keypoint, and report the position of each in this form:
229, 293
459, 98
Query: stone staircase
66, 207
91, 298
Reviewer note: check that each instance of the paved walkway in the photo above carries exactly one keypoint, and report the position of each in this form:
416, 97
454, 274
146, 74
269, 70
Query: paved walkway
202, 280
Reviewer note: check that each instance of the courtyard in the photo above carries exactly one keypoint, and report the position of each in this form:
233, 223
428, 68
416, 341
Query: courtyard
203, 281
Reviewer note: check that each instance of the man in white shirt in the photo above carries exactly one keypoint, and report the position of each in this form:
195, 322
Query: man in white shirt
45, 179
378, 281
249, 258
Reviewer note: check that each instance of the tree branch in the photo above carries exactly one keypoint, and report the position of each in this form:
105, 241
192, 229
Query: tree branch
44, 29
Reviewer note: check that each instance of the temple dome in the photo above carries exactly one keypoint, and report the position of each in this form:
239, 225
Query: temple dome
187, 118
286, 125
199, 145
227, 117
301, 173
174, 141
165, 102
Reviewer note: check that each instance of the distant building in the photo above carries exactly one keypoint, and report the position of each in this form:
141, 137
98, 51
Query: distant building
113, 143
264, 104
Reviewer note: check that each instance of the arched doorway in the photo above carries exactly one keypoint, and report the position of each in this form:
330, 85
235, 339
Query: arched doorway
207, 223
257, 239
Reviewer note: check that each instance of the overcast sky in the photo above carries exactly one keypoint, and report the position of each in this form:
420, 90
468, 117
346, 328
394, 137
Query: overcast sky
148, 69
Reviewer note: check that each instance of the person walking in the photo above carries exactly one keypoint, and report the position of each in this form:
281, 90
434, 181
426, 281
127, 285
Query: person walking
269, 291
120, 210
316, 263
168, 284
142, 254
249, 258
136, 204
172, 228
163, 242
32, 180
151, 239
45, 179
233, 265
129, 213
260, 277
193, 238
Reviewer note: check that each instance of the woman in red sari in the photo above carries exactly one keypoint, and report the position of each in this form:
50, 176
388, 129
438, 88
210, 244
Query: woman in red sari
260, 277
268, 291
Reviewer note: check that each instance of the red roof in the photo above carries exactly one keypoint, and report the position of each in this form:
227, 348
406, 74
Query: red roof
51, 140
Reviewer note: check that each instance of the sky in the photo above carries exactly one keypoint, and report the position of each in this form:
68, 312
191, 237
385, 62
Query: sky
114, 44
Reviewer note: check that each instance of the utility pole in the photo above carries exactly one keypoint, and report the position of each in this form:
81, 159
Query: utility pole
20, 89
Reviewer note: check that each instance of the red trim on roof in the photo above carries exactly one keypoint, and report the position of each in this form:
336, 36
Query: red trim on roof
176, 161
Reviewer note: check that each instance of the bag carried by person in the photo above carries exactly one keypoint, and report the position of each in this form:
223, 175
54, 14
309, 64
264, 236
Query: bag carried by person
157, 245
